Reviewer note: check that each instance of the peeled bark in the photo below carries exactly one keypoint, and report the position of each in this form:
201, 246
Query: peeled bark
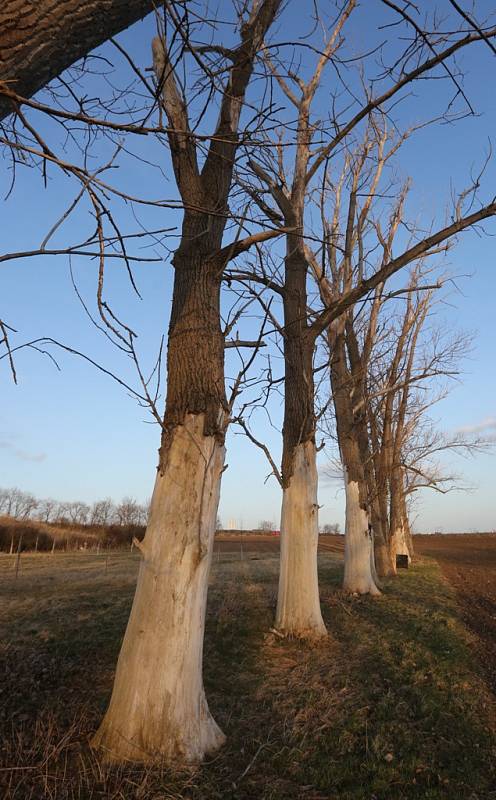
158, 709
298, 605
399, 528
406, 525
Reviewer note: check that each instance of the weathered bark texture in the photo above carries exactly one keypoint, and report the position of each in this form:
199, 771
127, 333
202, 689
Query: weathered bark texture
195, 355
298, 605
39, 40
158, 708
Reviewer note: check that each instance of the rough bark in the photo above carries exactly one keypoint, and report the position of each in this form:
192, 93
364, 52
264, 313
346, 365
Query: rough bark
39, 40
158, 709
195, 355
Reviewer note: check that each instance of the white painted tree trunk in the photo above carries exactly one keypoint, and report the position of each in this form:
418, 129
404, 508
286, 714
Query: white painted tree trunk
358, 548
298, 605
158, 710
399, 544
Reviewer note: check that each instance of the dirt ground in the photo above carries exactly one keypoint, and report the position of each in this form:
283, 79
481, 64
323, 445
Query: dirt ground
468, 561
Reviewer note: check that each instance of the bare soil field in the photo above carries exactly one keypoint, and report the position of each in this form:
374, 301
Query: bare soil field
468, 561
269, 543
390, 707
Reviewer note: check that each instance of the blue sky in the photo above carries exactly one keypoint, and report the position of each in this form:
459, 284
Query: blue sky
74, 434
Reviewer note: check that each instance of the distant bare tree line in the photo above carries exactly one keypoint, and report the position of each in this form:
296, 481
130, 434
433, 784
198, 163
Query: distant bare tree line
23, 506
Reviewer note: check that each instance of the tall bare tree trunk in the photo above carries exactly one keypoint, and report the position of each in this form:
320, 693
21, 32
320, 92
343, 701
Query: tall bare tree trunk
406, 523
360, 418
39, 40
359, 570
158, 710
298, 605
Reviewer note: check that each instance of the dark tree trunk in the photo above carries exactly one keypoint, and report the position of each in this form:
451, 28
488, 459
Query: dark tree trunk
195, 355
39, 40
299, 413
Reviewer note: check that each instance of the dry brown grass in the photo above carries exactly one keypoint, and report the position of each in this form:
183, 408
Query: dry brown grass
390, 707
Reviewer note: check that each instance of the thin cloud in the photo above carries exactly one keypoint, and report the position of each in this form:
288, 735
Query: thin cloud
484, 426
22, 455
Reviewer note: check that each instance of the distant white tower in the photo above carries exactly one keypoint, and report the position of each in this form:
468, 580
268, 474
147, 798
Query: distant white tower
231, 525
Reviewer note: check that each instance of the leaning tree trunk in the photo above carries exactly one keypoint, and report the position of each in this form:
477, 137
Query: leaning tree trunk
39, 40
298, 605
359, 569
158, 710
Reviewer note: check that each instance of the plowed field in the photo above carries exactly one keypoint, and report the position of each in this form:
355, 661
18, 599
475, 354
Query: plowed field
468, 561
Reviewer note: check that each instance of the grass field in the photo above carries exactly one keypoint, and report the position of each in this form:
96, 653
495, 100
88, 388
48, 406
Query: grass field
392, 706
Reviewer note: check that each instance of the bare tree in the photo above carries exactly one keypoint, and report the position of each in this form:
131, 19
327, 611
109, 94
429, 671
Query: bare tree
102, 512
158, 708
128, 512
47, 509
16, 503
298, 610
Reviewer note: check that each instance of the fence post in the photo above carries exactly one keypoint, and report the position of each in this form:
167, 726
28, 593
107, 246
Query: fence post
18, 558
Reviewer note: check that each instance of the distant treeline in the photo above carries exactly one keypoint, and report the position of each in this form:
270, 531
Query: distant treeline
29, 523
22, 535
24, 505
